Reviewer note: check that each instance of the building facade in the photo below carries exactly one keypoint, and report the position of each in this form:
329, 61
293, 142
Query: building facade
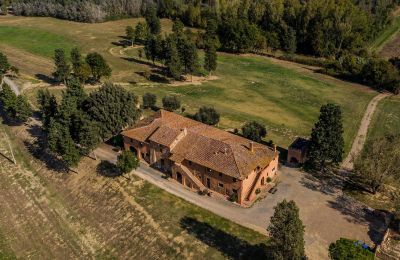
201, 157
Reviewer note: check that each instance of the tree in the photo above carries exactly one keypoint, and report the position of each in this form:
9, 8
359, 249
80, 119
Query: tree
48, 107
326, 143
286, 231
130, 34
8, 100
254, 131
127, 162
153, 47
63, 69
189, 57
80, 68
61, 143
113, 108
141, 33
98, 66
149, 100
207, 115
210, 57
173, 61
23, 109
4, 65
378, 163
152, 20
345, 248
171, 103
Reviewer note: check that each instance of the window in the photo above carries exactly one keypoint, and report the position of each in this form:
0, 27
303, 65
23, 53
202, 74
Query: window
234, 190
141, 144
190, 162
220, 185
220, 175
208, 169
131, 140
234, 179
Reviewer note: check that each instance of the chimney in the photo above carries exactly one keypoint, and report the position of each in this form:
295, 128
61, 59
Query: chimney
251, 147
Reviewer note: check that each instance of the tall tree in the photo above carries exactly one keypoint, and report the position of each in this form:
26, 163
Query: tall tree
48, 107
113, 108
63, 69
286, 231
173, 61
210, 46
326, 143
80, 68
189, 57
127, 162
141, 32
152, 20
4, 66
130, 34
98, 66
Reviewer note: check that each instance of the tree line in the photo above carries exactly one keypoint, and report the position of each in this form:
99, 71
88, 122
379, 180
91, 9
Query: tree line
176, 51
89, 69
323, 28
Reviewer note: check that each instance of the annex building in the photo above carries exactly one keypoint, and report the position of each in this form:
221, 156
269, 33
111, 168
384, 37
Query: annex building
202, 157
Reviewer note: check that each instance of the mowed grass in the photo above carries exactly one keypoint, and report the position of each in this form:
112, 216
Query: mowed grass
35, 41
5, 251
386, 119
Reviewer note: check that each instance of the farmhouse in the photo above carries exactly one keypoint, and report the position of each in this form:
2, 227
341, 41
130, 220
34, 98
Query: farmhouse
203, 157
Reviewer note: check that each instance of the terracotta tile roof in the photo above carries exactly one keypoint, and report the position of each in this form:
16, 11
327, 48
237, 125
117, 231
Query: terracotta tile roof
206, 145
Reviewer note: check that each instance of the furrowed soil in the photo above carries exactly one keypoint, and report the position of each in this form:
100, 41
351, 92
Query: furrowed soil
47, 214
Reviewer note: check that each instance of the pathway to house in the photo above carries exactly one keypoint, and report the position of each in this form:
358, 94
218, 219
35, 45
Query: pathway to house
326, 213
359, 141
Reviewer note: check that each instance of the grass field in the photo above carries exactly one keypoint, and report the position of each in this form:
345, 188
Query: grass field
287, 100
386, 119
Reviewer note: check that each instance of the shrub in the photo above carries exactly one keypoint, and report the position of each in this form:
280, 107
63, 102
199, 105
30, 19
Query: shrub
254, 131
127, 162
207, 115
171, 103
269, 179
258, 191
149, 100
349, 249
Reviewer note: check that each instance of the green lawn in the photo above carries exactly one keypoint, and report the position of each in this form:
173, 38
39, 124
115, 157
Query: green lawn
387, 34
386, 119
38, 42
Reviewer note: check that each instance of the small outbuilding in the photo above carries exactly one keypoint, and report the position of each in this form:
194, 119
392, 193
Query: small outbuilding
297, 152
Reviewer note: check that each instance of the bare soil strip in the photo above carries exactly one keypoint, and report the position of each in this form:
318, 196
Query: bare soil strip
359, 141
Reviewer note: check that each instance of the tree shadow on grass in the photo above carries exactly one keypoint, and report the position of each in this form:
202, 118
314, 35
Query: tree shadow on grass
107, 169
46, 79
38, 150
230, 246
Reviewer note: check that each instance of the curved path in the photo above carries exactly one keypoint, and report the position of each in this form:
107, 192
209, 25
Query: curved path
12, 85
359, 141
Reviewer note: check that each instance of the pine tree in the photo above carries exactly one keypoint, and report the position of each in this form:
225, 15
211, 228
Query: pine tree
141, 32
4, 65
286, 231
63, 69
80, 68
173, 61
48, 107
130, 34
326, 143
152, 20
210, 57
190, 57
23, 109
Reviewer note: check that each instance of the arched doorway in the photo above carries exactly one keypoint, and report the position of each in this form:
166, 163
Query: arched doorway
133, 150
179, 177
294, 161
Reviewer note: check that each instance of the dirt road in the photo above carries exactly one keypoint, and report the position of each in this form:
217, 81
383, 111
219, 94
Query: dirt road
12, 85
359, 141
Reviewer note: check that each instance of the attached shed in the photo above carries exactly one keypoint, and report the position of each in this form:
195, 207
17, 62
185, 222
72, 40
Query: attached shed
297, 152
